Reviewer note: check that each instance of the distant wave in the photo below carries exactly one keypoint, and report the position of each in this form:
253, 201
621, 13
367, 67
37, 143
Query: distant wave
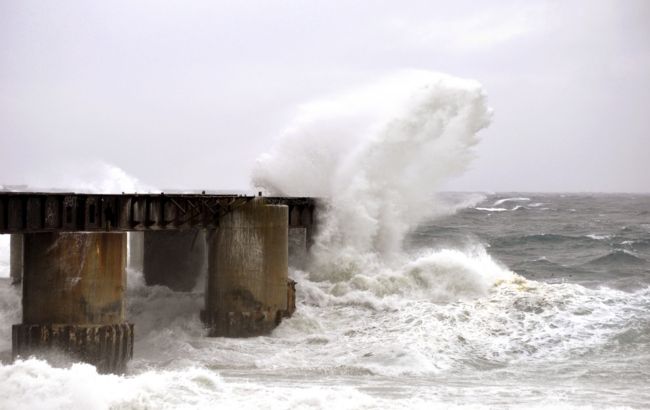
542, 266
598, 237
504, 200
637, 244
544, 238
616, 258
501, 209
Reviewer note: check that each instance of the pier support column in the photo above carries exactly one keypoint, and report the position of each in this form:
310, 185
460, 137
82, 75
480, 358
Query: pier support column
247, 287
174, 258
73, 299
16, 258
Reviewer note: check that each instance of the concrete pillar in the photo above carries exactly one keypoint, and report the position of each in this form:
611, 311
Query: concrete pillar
136, 250
174, 258
16, 258
73, 299
247, 285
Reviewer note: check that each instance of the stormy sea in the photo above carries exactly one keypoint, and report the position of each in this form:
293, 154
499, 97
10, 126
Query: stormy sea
409, 298
515, 300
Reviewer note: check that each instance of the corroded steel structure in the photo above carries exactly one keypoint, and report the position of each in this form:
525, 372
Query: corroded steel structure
27, 212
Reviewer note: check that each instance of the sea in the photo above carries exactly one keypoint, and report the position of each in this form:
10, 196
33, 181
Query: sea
507, 300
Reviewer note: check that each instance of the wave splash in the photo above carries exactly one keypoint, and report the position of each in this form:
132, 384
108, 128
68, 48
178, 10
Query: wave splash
377, 153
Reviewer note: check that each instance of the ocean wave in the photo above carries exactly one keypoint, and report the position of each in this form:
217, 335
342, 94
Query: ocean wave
492, 209
617, 258
33, 384
435, 275
638, 244
539, 262
516, 199
599, 237
540, 238
500, 209
434, 314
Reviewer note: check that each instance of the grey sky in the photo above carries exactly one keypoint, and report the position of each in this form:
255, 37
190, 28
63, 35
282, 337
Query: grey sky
186, 94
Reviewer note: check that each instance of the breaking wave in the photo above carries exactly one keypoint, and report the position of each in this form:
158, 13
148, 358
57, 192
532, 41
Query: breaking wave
377, 154
504, 200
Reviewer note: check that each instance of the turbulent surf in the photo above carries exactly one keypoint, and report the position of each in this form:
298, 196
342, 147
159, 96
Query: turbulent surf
413, 299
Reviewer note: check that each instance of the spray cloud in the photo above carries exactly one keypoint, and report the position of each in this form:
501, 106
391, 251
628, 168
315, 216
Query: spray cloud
377, 154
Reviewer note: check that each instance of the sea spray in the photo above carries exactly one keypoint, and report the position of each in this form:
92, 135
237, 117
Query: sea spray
376, 155
85, 176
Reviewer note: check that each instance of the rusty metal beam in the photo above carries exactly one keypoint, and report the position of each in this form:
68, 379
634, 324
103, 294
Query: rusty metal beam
31, 212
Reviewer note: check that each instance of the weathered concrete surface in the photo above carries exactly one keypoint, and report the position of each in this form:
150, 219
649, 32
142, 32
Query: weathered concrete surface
16, 258
136, 250
73, 298
247, 283
174, 258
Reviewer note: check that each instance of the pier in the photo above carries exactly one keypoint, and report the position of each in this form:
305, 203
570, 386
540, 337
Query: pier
69, 251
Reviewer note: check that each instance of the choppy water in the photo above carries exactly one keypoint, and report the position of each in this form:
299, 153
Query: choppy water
538, 301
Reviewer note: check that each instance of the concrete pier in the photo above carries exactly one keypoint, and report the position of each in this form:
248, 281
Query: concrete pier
247, 288
70, 251
73, 299
16, 258
174, 258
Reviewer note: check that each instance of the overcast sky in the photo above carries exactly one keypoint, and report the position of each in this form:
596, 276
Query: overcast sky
186, 94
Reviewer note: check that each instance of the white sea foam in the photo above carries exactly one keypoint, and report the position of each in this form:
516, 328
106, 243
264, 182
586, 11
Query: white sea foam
599, 237
491, 209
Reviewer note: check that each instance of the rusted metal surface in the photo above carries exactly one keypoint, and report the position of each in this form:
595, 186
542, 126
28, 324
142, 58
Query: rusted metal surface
25, 212
73, 299
108, 347
74, 278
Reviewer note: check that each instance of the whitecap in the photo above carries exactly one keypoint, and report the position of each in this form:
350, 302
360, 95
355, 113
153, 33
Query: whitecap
598, 237
504, 200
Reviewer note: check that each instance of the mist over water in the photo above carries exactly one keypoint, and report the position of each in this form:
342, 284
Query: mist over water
413, 299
